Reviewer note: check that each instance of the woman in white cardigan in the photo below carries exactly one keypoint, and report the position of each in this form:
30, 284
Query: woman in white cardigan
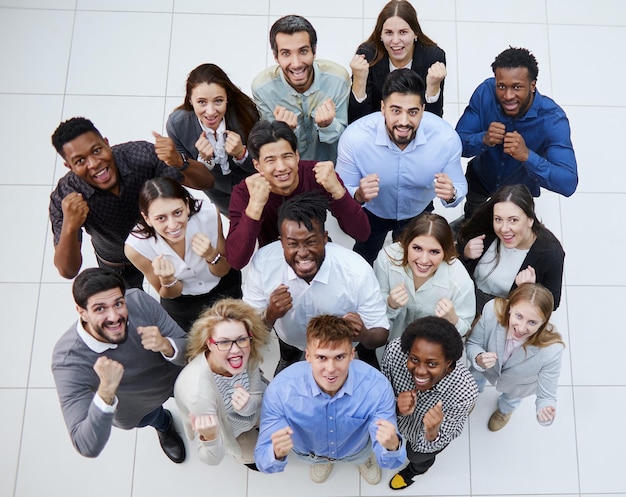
515, 347
420, 276
219, 392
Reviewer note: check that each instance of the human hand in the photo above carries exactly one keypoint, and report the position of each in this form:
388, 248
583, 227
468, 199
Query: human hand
445, 309
239, 398
205, 425
281, 442
360, 68
515, 146
527, 275
201, 245
387, 435
494, 134
163, 268
406, 402
204, 147
233, 145
435, 75
325, 113
475, 247
151, 339
546, 415
398, 296
280, 303
368, 188
166, 150
326, 176
283, 114
110, 373
432, 421
486, 360
259, 189
75, 210
444, 188
357, 324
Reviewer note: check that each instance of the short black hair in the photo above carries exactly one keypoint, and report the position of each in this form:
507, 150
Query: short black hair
289, 25
517, 57
304, 209
71, 129
405, 81
436, 330
264, 132
95, 280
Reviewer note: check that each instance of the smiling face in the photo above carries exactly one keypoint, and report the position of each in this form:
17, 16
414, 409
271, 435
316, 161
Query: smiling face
514, 90
398, 39
512, 226
427, 364
233, 361
304, 250
91, 159
278, 163
403, 114
330, 364
424, 255
524, 321
209, 103
106, 316
295, 57
168, 217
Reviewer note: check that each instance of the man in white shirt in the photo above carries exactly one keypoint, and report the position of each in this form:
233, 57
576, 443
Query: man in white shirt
303, 275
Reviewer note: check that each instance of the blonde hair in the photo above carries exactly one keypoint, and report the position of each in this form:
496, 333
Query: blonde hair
228, 310
542, 300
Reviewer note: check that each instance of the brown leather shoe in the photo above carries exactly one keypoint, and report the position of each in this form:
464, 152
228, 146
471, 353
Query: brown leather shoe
497, 421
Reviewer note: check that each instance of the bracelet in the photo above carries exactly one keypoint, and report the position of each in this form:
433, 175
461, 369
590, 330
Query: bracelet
218, 257
170, 285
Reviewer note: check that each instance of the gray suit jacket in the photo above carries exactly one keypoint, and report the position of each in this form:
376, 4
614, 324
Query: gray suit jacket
534, 370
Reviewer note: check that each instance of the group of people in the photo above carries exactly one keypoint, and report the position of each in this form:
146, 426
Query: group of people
375, 152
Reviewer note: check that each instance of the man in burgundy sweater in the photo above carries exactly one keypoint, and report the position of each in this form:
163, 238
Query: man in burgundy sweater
281, 175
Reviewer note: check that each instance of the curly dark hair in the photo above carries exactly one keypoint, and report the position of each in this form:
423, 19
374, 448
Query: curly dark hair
71, 129
304, 209
436, 330
517, 57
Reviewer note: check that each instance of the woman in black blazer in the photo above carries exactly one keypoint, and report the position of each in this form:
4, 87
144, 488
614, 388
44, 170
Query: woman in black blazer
396, 42
504, 245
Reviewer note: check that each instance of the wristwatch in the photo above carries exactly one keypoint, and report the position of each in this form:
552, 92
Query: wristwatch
185, 163
453, 199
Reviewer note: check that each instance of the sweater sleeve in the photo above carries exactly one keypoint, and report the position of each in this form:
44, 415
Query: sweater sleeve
243, 232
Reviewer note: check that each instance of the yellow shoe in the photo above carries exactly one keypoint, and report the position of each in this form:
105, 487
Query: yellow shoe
402, 479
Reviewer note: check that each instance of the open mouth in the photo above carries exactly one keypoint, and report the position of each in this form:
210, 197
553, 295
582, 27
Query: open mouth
103, 175
235, 362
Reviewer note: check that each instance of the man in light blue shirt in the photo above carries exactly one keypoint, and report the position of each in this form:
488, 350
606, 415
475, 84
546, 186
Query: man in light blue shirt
397, 161
330, 408
310, 95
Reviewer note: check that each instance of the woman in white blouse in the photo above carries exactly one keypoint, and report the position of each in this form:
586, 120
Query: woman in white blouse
220, 391
178, 245
420, 276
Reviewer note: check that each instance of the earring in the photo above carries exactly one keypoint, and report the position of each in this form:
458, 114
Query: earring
415, 39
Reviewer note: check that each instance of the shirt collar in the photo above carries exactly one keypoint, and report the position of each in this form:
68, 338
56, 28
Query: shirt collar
93, 344
322, 276
346, 389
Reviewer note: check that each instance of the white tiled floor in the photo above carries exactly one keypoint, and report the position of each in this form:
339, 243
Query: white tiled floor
123, 63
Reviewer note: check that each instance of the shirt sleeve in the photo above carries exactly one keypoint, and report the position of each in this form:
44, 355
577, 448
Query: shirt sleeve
253, 292
547, 382
454, 170
346, 168
272, 419
332, 132
371, 306
470, 128
387, 410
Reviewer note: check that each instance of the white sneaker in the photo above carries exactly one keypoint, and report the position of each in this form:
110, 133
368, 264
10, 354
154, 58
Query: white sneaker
370, 470
319, 472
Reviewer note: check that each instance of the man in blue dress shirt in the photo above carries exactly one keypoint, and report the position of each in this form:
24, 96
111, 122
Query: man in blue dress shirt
397, 161
330, 408
515, 134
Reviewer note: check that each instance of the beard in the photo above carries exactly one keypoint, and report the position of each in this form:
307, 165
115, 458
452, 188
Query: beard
115, 340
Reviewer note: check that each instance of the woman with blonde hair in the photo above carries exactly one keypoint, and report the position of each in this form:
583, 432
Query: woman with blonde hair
219, 392
421, 276
515, 347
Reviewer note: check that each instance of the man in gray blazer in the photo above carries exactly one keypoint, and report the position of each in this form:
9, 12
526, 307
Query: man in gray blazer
117, 364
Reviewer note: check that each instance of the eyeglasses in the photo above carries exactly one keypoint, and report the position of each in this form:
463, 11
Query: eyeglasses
226, 345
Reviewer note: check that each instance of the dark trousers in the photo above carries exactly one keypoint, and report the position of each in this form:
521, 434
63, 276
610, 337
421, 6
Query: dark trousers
477, 194
158, 419
133, 278
420, 462
288, 355
380, 227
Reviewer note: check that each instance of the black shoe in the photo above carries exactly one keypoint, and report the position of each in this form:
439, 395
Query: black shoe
252, 466
171, 443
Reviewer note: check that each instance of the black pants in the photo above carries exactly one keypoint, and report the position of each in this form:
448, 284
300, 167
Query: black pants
420, 462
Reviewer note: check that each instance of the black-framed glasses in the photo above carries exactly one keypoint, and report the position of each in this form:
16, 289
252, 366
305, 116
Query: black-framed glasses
226, 345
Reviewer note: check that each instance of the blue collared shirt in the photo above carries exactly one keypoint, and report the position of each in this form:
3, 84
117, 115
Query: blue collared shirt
336, 427
551, 162
407, 177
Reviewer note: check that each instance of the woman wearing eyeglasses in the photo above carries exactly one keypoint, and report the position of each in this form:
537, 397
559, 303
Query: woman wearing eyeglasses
220, 390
